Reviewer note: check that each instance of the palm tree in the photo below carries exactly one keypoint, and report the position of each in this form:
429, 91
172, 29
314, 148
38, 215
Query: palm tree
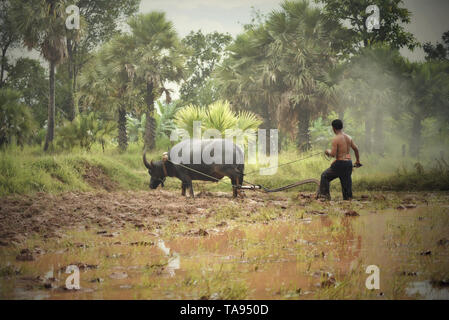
220, 117
302, 51
159, 59
41, 24
108, 82
247, 81
280, 65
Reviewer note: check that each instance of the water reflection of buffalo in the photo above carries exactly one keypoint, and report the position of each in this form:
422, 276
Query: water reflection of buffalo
207, 160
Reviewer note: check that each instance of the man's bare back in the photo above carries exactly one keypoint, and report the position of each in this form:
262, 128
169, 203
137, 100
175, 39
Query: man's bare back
343, 142
341, 147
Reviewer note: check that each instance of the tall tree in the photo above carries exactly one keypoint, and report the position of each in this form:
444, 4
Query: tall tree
107, 84
244, 80
373, 73
287, 58
100, 22
9, 37
439, 51
392, 15
30, 78
206, 50
427, 86
159, 59
41, 24
391, 32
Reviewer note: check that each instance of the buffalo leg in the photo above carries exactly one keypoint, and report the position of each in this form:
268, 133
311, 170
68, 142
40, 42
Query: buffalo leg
183, 186
187, 183
235, 186
191, 190
239, 184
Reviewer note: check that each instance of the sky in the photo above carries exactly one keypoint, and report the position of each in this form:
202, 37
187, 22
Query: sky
429, 17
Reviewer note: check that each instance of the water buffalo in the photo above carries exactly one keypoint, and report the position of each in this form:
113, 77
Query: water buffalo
215, 158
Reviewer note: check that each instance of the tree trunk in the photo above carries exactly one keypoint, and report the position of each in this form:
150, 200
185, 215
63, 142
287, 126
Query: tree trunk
76, 110
368, 132
3, 66
415, 137
122, 134
150, 125
72, 112
379, 133
303, 130
51, 109
267, 126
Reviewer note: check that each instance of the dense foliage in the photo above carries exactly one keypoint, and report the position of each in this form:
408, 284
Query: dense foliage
293, 69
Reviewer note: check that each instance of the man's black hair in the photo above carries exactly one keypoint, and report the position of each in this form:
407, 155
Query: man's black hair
337, 124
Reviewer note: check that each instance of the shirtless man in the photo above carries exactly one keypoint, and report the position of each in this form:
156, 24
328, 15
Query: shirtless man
342, 165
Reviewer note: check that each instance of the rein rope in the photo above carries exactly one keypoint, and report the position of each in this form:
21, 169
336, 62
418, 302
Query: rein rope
251, 186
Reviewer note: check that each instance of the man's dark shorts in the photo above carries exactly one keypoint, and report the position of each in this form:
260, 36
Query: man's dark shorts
341, 169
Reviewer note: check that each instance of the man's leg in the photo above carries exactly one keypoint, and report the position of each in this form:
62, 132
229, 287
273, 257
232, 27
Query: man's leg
346, 182
326, 177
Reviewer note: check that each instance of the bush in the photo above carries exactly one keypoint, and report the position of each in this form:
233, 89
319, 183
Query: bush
218, 116
16, 121
83, 131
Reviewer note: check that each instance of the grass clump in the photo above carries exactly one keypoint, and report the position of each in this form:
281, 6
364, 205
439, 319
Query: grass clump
30, 171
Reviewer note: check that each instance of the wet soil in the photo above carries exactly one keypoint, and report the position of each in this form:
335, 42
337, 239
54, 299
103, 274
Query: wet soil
49, 215
160, 245
98, 179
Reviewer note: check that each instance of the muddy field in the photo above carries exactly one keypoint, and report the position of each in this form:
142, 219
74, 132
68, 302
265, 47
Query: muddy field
159, 245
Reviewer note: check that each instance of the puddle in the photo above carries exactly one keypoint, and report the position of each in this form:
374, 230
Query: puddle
22, 294
174, 261
425, 290
283, 259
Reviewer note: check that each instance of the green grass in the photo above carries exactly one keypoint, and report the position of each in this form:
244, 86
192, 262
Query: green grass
376, 174
31, 170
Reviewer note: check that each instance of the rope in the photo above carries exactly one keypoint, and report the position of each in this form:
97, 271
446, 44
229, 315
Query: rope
254, 185
296, 184
202, 173
284, 164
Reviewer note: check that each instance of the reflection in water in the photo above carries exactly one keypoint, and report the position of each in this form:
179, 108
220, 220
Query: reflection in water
23, 294
49, 274
347, 245
174, 261
427, 291
161, 245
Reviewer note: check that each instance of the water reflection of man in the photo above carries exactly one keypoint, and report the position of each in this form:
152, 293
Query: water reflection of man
342, 166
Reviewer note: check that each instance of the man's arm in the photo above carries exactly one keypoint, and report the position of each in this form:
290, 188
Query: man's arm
332, 152
356, 151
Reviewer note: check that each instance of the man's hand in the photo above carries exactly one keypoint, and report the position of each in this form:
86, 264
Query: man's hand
327, 152
357, 164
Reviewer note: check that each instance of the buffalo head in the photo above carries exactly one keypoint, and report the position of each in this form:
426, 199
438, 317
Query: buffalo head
156, 172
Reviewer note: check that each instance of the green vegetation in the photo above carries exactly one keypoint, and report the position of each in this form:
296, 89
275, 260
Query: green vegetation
295, 69
30, 170
217, 116
74, 125
85, 130
16, 121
